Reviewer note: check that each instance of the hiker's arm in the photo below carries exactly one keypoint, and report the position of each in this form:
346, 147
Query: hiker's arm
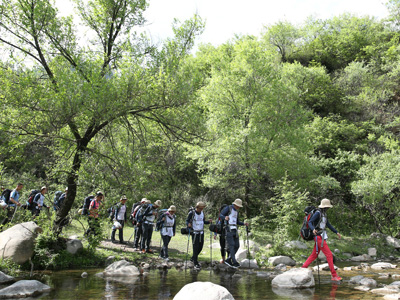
329, 225
189, 218
12, 196
224, 213
313, 219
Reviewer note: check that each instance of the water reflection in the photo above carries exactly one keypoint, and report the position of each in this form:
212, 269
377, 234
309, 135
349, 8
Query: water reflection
165, 284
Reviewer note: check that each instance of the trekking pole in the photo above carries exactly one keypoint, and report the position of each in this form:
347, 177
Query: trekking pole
210, 250
316, 249
187, 250
248, 246
12, 218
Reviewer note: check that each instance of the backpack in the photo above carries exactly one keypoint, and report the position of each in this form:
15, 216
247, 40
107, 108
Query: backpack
160, 222
140, 212
56, 199
111, 211
133, 212
30, 203
219, 226
187, 230
305, 232
6, 195
86, 204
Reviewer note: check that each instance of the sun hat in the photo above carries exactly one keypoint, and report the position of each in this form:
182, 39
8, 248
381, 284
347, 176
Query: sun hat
201, 204
172, 208
99, 193
238, 202
157, 203
325, 203
143, 200
43, 188
123, 198
148, 201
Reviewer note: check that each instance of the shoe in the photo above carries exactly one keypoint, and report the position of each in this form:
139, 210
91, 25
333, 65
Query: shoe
222, 261
122, 242
191, 259
197, 267
228, 262
336, 278
236, 265
166, 259
150, 251
114, 242
143, 251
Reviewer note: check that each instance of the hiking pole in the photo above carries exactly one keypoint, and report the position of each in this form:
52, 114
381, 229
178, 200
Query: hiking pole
248, 247
210, 250
187, 250
16, 208
316, 249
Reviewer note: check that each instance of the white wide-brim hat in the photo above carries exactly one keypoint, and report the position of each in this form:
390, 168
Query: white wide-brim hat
238, 202
325, 203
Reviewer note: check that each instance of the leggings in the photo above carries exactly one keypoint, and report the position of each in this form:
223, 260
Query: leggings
325, 249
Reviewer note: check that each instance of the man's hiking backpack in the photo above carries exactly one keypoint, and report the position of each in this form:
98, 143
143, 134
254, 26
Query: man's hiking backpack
305, 232
56, 204
6, 195
30, 203
139, 212
135, 207
187, 230
86, 204
160, 222
111, 211
219, 225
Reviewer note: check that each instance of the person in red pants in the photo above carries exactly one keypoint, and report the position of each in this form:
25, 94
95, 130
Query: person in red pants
318, 224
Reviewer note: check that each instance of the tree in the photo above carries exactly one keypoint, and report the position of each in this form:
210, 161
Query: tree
253, 123
70, 93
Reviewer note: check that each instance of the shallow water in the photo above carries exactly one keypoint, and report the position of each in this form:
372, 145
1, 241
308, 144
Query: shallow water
166, 284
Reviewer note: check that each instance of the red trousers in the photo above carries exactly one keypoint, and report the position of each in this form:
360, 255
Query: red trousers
325, 249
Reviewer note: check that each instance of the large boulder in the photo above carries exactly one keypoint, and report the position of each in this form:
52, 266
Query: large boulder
251, 245
286, 260
18, 242
74, 246
249, 263
393, 242
241, 255
296, 245
203, 290
121, 268
294, 279
23, 289
4, 278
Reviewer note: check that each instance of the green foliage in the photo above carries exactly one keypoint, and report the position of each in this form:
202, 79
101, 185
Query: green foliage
7, 266
287, 208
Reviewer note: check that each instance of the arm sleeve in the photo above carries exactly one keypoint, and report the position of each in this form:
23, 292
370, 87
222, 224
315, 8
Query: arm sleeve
224, 213
206, 222
189, 217
174, 228
148, 212
331, 227
314, 219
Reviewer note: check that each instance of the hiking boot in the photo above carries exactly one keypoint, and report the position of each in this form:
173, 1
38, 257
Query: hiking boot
122, 242
143, 251
114, 242
222, 261
236, 265
150, 251
228, 262
336, 278
197, 266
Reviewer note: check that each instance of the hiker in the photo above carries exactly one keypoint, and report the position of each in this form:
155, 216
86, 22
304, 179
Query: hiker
38, 202
168, 230
195, 222
119, 220
231, 218
318, 223
147, 221
138, 227
93, 223
12, 204
60, 200
222, 236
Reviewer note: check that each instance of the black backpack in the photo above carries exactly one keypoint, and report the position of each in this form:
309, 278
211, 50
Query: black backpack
6, 195
86, 204
305, 232
218, 227
160, 222
30, 203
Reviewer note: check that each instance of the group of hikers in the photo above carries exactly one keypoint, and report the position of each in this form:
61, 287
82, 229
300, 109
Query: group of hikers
145, 215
